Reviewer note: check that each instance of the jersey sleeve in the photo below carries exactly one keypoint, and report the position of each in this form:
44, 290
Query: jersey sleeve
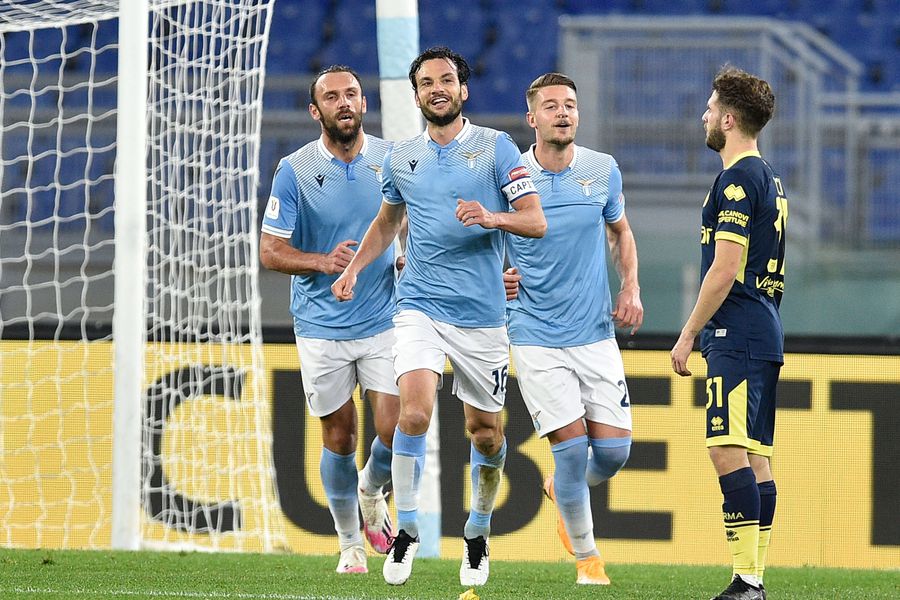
614, 209
515, 180
280, 217
388, 189
734, 203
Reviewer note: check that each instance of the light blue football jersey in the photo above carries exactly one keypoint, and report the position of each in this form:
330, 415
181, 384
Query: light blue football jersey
454, 274
564, 296
317, 202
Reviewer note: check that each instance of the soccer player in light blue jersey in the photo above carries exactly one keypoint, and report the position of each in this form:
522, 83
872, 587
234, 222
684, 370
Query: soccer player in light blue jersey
456, 182
323, 198
562, 325
742, 240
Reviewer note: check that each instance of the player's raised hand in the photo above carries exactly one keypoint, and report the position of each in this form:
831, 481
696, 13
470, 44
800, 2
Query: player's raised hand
342, 288
629, 312
471, 212
338, 259
511, 280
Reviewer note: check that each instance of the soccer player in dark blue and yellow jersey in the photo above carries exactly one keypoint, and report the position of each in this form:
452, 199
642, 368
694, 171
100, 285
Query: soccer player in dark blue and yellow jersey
743, 240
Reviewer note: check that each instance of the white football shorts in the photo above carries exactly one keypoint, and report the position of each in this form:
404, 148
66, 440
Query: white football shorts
331, 369
479, 356
563, 385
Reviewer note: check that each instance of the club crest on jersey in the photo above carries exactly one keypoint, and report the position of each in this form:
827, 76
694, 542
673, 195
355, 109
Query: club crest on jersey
471, 156
735, 193
320, 179
412, 165
377, 169
586, 185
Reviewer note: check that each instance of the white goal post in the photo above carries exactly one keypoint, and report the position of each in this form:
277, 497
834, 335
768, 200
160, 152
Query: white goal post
129, 148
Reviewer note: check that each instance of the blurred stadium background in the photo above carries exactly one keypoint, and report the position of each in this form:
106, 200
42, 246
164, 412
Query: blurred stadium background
643, 68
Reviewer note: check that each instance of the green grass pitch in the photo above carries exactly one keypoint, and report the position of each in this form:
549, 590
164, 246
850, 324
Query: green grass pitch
85, 575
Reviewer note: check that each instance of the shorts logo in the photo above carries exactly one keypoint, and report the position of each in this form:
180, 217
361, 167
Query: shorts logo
721, 332
717, 424
534, 418
273, 208
586, 185
377, 169
735, 193
471, 156
518, 173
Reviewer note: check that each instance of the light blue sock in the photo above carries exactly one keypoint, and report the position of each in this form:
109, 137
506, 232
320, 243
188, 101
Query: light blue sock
406, 471
572, 496
608, 455
377, 471
339, 478
485, 472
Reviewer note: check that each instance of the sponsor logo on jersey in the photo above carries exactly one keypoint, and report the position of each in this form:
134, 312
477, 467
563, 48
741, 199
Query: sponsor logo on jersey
412, 165
735, 193
735, 217
721, 332
273, 208
586, 185
518, 173
377, 169
320, 179
471, 156
769, 285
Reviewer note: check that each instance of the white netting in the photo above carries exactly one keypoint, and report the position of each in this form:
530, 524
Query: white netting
206, 463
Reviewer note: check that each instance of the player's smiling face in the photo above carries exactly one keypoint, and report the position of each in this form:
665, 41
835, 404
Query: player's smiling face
439, 94
555, 115
712, 123
339, 106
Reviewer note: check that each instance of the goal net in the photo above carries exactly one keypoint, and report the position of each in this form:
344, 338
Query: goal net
202, 474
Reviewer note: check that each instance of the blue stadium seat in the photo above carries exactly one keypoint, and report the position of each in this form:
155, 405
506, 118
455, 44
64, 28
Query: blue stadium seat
297, 31
461, 26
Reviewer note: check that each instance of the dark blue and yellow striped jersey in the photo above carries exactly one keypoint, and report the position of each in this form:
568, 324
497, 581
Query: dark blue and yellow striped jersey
747, 205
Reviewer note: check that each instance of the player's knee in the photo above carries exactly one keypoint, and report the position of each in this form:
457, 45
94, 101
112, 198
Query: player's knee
414, 422
607, 458
339, 440
486, 440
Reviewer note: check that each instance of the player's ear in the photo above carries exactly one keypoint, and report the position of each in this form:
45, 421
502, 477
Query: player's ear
529, 118
314, 111
464, 92
728, 121
363, 109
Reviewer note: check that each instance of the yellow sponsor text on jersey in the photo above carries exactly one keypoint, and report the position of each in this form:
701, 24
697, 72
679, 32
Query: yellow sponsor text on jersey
735, 193
734, 216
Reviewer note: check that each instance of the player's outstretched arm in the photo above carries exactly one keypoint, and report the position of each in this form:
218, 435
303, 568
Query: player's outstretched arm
380, 235
628, 311
527, 220
713, 291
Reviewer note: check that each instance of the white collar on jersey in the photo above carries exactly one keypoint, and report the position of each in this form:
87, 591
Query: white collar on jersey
463, 133
323, 150
534, 161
